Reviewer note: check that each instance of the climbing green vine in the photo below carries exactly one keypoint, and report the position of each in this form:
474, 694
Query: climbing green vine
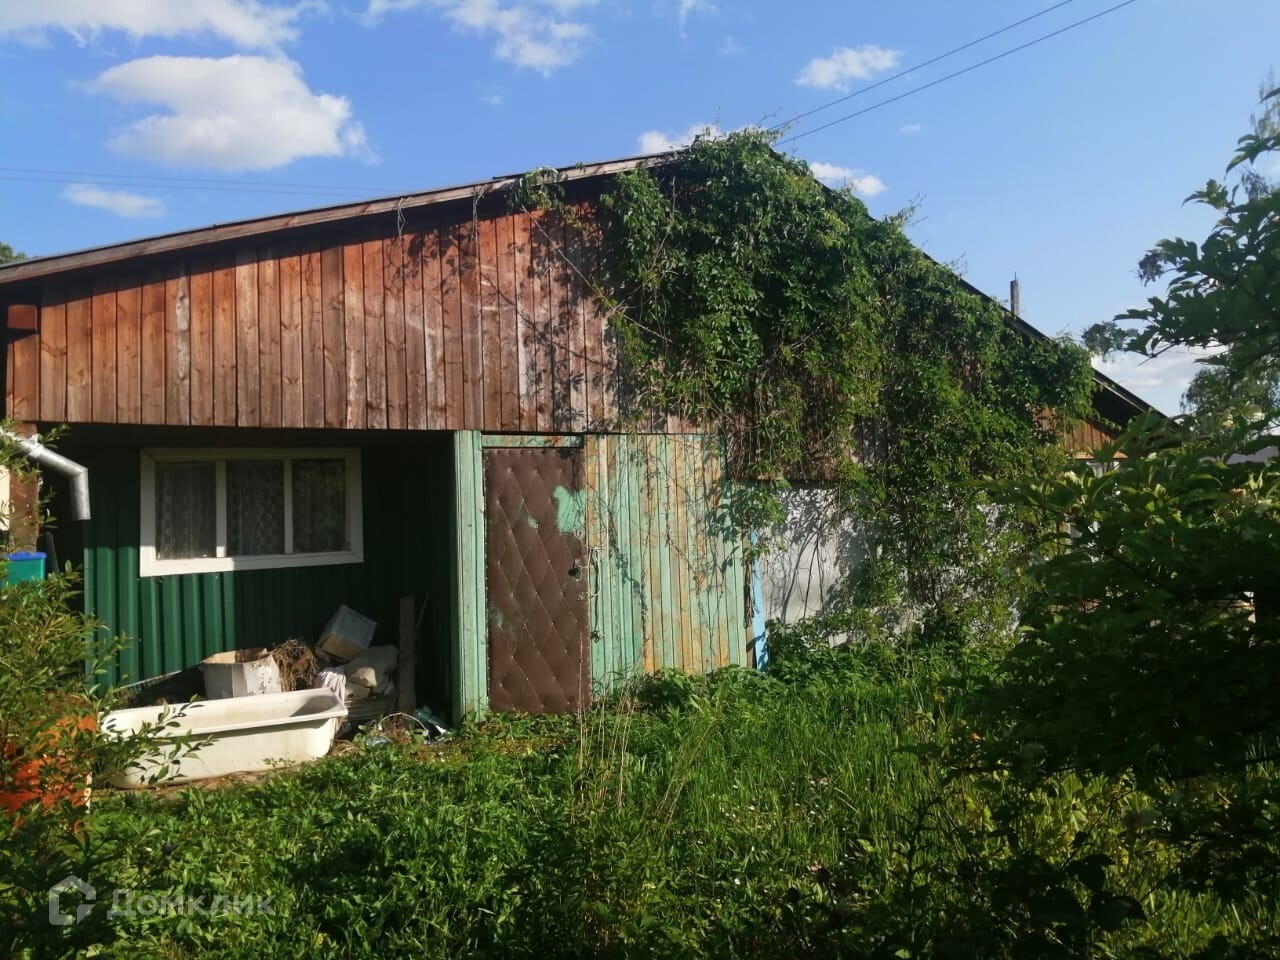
825, 346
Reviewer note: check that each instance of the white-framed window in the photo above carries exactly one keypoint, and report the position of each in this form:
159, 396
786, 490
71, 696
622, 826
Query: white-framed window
207, 511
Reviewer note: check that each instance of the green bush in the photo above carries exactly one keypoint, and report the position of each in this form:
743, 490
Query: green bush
52, 755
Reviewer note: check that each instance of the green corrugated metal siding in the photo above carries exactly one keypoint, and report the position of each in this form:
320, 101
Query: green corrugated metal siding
470, 654
667, 577
179, 620
668, 571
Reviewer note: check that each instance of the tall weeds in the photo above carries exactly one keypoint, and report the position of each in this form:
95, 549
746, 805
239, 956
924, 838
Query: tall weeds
736, 815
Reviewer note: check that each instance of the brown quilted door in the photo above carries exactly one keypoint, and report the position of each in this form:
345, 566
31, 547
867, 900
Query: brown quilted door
535, 580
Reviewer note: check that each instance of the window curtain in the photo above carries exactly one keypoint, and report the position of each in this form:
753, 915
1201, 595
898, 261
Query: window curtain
319, 506
186, 510
255, 507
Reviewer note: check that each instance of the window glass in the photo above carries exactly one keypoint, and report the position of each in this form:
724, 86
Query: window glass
255, 507
319, 506
186, 510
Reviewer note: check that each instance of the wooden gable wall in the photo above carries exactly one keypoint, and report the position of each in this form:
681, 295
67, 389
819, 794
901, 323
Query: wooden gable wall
458, 315
441, 321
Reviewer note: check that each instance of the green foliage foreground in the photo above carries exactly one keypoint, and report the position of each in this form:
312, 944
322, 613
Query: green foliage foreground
737, 815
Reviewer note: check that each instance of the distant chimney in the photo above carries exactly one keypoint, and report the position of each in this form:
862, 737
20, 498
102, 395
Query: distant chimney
1015, 298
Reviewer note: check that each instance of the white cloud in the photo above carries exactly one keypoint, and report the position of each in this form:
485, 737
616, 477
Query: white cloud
120, 202
845, 64
687, 8
230, 113
730, 47
1159, 380
528, 33
245, 23
864, 184
655, 141
910, 128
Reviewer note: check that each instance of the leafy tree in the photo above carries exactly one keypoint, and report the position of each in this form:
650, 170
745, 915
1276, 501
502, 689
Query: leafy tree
1266, 123
1151, 653
1218, 298
8, 254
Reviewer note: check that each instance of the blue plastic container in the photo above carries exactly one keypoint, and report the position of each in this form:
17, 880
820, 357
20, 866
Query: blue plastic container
22, 566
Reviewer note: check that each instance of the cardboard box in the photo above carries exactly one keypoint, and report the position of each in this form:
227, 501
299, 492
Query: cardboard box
347, 634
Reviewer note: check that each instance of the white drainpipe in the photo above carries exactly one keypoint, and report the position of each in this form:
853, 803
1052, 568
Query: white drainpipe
42, 455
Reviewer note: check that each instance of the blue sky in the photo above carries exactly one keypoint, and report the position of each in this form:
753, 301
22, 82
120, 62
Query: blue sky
1062, 163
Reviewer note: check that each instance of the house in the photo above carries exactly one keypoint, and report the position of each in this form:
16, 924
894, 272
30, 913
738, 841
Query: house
414, 396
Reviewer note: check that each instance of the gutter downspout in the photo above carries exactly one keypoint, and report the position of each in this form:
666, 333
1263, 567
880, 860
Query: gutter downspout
42, 455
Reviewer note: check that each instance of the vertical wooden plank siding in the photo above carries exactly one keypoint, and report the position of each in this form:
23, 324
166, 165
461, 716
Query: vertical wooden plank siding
394, 293
659, 545
167, 315
102, 334
199, 290
353, 307
433, 359
691, 641
333, 297
467, 240
414, 334
593, 333
315, 372
462, 323
290, 292
79, 356
22, 393
490, 372
668, 572
575, 318
53, 359
524, 304
628, 463
224, 343
270, 320
1084, 437
452, 320
508, 323
596, 490
541, 312
469, 660
153, 347
248, 361
128, 353
375, 337
564, 314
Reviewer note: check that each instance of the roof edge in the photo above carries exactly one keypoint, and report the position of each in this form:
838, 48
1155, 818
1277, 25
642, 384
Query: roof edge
39, 267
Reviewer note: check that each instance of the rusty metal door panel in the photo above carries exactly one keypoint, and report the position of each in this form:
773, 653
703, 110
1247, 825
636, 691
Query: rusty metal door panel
535, 580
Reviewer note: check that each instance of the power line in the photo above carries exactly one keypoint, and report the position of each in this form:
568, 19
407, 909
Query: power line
959, 73
228, 185
222, 187
920, 66
228, 181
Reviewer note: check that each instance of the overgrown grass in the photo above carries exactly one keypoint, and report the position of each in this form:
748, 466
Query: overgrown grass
736, 815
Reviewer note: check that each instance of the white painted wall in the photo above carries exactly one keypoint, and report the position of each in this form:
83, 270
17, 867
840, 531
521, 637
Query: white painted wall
811, 557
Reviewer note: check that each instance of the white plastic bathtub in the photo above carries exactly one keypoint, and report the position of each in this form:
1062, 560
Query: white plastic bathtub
245, 733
